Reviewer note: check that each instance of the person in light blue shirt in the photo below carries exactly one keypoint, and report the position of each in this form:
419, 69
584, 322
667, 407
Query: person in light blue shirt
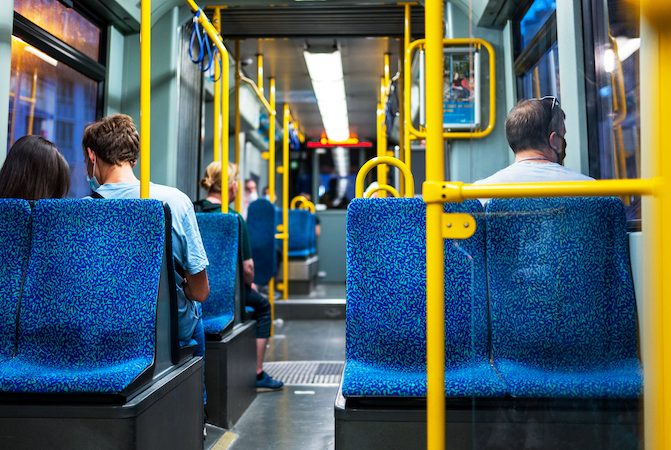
535, 131
111, 148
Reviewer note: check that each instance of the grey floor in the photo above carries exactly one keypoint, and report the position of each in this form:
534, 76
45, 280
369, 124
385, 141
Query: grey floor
323, 291
300, 416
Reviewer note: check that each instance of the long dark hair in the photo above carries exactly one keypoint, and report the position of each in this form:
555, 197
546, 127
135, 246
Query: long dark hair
34, 169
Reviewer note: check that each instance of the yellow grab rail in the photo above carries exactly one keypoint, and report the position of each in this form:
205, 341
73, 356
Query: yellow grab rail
259, 94
301, 202
422, 134
217, 100
407, 175
656, 346
439, 191
381, 143
238, 69
284, 228
435, 282
381, 187
271, 144
213, 34
145, 96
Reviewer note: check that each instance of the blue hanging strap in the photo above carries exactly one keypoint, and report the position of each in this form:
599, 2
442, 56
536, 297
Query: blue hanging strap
196, 34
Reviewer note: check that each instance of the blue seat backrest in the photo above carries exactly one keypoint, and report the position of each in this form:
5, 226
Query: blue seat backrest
220, 238
300, 238
561, 287
386, 292
91, 286
15, 218
313, 233
261, 216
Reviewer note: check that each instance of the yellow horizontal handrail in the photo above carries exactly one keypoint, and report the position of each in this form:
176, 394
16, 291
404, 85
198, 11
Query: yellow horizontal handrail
400, 165
421, 134
258, 93
302, 202
381, 187
437, 192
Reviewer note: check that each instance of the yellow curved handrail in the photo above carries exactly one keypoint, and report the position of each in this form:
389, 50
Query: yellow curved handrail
382, 187
400, 165
421, 134
302, 202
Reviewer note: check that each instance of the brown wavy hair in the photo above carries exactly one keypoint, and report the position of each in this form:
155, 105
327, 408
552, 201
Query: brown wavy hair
114, 139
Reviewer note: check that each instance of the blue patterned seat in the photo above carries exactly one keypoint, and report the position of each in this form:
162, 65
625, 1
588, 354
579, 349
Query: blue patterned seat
562, 299
220, 238
261, 222
14, 252
386, 304
87, 321
300, 239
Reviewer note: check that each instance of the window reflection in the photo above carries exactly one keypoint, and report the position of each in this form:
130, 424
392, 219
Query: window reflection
543, 79
52, 100
64, 23
534, 19
617, 93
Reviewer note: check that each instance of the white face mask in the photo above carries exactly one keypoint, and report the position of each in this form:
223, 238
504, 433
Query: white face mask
253, 196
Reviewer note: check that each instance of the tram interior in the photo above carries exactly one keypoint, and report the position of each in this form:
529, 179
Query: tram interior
544, 303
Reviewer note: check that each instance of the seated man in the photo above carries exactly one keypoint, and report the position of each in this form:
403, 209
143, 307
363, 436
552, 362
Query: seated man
111, 148
212, 182
535, 131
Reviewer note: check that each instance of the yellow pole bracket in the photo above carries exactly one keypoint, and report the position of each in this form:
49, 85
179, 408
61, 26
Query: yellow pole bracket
382, 187
407, 175
460, 42
458, 225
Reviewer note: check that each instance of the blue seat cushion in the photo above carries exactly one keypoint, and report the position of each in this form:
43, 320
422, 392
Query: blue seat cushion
300, 253
15, 222
221, 241
476, 379
300, 238
218, 324
87, 321
622, 380
563, 309
386, 302
25, 375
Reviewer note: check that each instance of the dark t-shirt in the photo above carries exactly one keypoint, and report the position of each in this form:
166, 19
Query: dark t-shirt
207, 206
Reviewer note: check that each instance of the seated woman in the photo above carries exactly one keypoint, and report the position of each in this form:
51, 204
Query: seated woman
34, 169
212, 183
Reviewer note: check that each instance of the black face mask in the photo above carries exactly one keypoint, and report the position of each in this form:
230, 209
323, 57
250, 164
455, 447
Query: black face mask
561, 154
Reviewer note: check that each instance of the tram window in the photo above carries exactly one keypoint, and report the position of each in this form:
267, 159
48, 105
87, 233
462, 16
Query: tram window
338, 168
614, 100
52, 93
534, 19
64, 23
537, 57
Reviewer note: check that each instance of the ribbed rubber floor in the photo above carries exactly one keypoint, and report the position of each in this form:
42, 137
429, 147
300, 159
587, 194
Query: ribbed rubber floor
323, 373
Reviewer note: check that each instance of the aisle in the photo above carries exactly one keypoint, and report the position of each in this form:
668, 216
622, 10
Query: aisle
308, 356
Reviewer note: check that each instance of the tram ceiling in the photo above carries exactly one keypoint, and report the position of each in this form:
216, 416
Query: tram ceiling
362, 60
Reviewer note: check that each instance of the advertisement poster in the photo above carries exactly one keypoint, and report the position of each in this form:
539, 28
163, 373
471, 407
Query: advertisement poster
461, 92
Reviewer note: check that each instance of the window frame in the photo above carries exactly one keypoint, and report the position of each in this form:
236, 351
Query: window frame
33, 34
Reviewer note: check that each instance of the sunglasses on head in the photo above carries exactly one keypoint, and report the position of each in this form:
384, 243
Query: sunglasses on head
555, 101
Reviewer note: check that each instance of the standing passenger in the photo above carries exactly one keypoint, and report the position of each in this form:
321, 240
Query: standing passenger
34, 169
251, 195
535, 131
212, 182
111, 148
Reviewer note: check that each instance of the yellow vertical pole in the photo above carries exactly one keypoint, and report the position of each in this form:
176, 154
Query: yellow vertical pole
407, 79
656, 222
271, 143
225, 83
217, 98
238, 69
435, 287
285, 203
259, 72
401, 124
145, 96
387, 76
382, 170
